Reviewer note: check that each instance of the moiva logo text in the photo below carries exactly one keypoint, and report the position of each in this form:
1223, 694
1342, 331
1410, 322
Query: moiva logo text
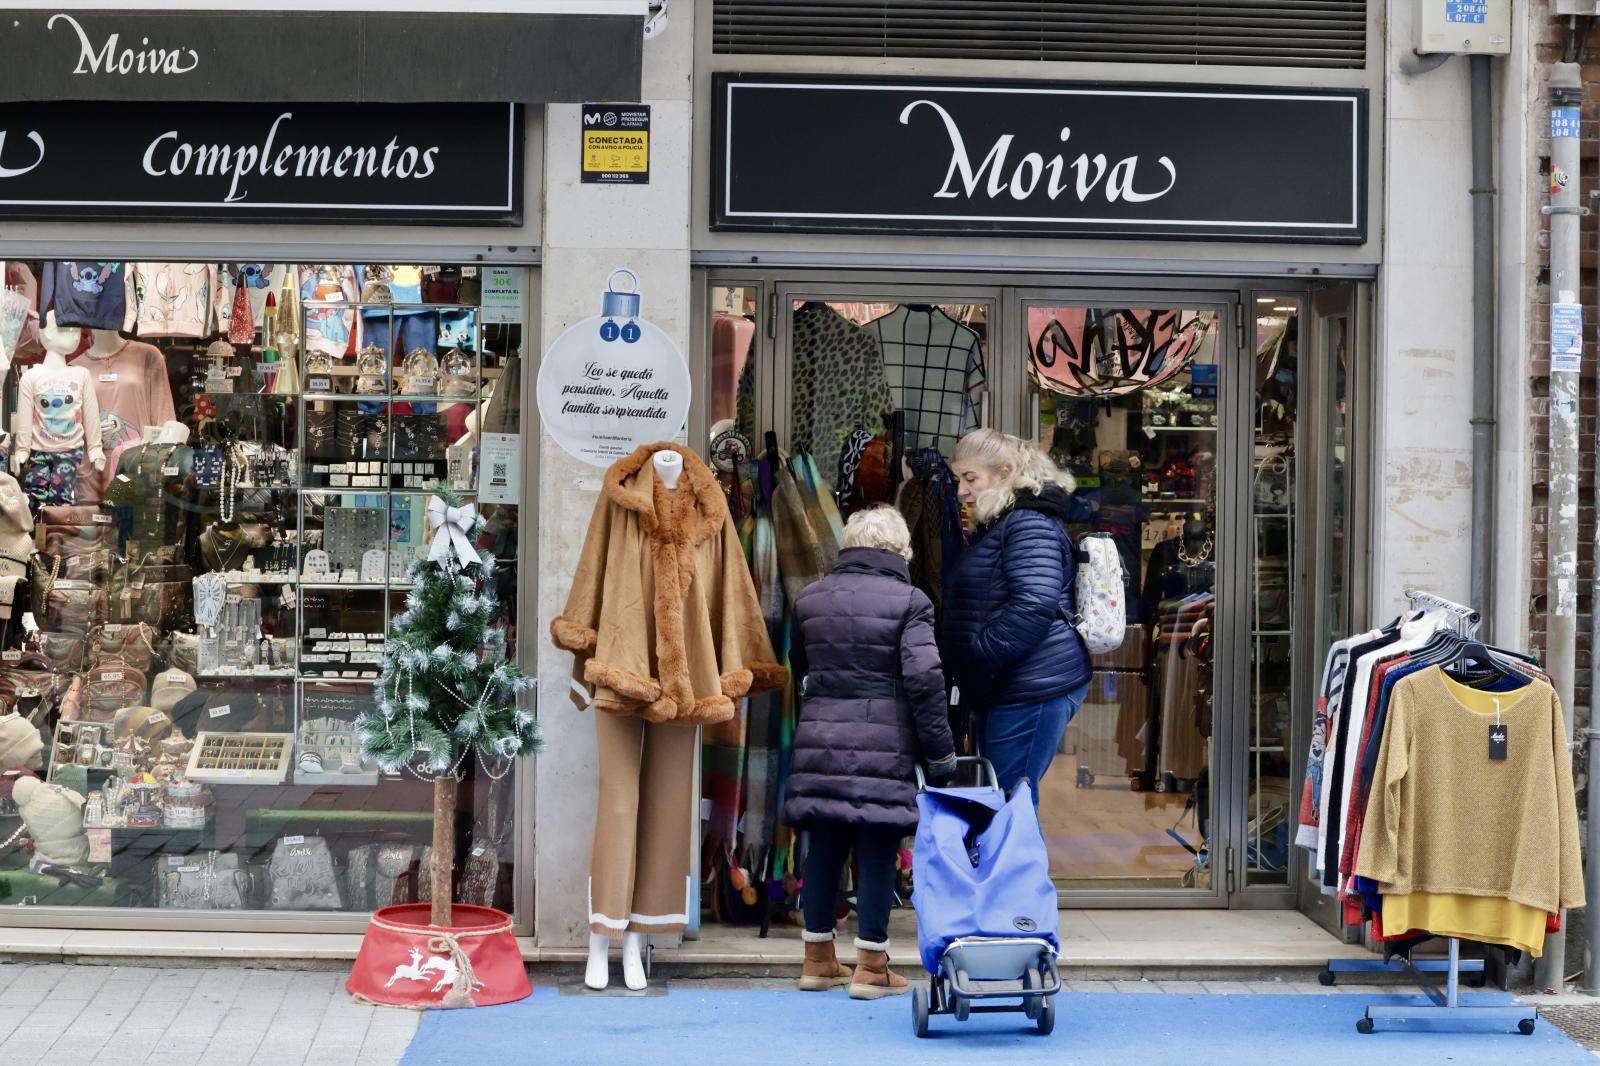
996, 176
113, 58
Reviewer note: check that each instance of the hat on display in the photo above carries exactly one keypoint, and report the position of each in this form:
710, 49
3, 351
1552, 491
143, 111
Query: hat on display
16, 528
54, 817
21, 746
169, 688
146, 723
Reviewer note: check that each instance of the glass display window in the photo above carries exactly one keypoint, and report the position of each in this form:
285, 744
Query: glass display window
227, 498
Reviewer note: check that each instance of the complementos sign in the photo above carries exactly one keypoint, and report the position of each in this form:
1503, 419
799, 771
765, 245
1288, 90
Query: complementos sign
1039, 159
457, 163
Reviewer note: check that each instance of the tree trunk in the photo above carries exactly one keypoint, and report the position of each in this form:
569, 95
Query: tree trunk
444, 849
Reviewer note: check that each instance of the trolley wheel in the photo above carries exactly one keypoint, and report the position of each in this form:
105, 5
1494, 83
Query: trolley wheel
1032, 981
1326, 978
921, 997
1085, 777
1477, 980
1161, 785
1047, 1016
1525, 1026
1363, 1025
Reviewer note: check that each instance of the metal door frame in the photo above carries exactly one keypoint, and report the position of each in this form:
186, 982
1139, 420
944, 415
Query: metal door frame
1008, 407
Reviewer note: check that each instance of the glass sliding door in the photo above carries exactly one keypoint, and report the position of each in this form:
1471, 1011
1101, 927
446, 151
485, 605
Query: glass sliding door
1128, 394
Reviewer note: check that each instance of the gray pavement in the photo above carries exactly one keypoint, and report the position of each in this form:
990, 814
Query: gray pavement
57, 1015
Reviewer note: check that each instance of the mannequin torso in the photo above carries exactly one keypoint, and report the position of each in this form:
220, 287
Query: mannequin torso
58, 342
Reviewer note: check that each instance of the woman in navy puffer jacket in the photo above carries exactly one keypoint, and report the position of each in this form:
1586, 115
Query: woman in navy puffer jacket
1022, 668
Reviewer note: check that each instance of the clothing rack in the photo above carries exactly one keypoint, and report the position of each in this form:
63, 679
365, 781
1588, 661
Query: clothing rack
1446, 1005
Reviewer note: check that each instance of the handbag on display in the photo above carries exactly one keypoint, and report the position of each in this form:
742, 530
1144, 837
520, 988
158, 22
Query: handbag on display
64, 651
133, 644
374, 871
73, 607
300, 876
110, 687
212, 881
183, 652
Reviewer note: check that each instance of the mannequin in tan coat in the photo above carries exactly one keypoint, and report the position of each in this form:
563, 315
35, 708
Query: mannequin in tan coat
661, 535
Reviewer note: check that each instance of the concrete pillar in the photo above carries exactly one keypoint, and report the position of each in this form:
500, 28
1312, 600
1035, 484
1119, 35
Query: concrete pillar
589, 231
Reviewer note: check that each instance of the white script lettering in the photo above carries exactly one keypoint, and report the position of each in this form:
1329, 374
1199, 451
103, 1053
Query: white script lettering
112, 58
962, 179
17, 172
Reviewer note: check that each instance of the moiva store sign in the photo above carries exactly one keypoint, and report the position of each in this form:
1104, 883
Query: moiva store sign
385, 51
410, 163
799, 154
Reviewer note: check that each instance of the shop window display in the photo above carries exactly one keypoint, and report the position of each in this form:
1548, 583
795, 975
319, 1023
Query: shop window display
221, 477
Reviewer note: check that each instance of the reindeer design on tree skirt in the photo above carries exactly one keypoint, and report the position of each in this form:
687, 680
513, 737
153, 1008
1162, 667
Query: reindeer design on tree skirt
418, 970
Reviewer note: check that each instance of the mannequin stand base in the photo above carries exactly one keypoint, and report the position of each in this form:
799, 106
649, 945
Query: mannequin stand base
617, 991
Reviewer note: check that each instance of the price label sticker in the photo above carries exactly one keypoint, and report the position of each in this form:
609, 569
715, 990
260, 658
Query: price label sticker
111, 675
11, 656
188, 869
102, 519
99, 845
319, 384
108, 378
175, 860
292, 841
170, 471
220, 711
125, 477
157, 717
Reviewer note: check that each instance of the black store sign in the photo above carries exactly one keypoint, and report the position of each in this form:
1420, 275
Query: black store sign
440, 163
798, 154
394, 56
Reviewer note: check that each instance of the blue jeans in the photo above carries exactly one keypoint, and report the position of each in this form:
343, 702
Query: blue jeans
1021, 739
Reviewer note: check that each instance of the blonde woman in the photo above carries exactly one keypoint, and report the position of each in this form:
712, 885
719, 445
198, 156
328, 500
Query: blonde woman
872, 706
1022, 668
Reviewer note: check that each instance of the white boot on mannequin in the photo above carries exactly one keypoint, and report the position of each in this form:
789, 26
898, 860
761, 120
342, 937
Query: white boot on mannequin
633, 960
598, 973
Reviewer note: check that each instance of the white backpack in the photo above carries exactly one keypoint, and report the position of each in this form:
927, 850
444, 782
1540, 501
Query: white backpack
1100, 595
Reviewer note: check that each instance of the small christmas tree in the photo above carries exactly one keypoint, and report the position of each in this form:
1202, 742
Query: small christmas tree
447, 690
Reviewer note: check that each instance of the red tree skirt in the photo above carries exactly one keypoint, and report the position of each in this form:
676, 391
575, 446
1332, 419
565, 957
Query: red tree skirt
405, 962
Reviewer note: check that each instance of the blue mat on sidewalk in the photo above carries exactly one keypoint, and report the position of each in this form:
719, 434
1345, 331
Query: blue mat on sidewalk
692, 1027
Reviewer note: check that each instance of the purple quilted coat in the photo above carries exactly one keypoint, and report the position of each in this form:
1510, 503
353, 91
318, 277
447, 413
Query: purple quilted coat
873, 695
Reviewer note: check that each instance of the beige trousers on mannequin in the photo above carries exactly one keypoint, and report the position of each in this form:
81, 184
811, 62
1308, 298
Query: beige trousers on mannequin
639, 867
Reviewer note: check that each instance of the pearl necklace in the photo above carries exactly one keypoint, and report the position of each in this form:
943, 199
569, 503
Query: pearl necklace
229, 502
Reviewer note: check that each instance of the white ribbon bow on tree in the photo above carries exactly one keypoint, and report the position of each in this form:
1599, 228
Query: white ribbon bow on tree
452, 525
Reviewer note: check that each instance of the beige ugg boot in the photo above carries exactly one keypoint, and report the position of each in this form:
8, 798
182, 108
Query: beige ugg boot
822, 970
874, 979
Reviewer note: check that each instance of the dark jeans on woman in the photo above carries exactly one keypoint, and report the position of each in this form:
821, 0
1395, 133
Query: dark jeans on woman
876, 849
1021, 739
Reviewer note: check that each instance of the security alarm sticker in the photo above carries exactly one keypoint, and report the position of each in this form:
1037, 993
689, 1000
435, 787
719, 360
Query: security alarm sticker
616, 144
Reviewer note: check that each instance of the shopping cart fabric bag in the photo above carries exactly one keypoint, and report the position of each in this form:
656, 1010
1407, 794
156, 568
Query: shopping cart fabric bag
980, 869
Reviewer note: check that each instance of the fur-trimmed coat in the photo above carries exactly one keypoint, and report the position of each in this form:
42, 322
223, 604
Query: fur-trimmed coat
663, 619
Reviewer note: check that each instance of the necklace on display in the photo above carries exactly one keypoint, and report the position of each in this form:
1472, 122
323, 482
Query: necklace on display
236, 543
228, 505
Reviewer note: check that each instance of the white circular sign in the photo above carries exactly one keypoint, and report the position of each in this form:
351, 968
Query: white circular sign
608, 385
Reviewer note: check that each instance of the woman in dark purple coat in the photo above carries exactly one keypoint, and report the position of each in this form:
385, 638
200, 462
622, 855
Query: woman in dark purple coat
872, 704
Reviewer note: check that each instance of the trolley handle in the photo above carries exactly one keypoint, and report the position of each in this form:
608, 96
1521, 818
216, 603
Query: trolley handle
963, 760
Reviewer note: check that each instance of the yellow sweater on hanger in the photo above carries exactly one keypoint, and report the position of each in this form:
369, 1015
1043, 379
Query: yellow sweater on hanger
1445, 818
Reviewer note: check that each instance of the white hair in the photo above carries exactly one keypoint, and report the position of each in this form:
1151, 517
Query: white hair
1025, 465
879, 527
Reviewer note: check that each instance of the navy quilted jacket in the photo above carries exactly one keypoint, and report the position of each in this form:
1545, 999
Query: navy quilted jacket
1004, 638
874, 696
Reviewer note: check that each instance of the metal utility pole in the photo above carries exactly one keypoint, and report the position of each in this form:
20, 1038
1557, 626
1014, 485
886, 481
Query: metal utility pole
1566, 349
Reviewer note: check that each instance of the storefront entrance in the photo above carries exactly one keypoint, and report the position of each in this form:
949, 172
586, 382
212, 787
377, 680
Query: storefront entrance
1213, 434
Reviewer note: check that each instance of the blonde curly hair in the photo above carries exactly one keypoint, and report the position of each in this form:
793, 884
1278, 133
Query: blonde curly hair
1025, 466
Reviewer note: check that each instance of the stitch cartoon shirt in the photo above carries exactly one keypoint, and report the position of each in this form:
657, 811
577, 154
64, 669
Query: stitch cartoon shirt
57, 411
91, 295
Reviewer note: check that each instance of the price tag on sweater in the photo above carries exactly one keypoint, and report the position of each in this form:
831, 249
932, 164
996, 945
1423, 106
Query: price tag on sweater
1497, 737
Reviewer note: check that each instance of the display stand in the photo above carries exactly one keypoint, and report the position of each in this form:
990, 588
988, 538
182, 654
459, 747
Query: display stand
1446, 1006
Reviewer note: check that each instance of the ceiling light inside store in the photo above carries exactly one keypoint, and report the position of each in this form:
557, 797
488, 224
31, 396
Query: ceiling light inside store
1265, 299
1287, 308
